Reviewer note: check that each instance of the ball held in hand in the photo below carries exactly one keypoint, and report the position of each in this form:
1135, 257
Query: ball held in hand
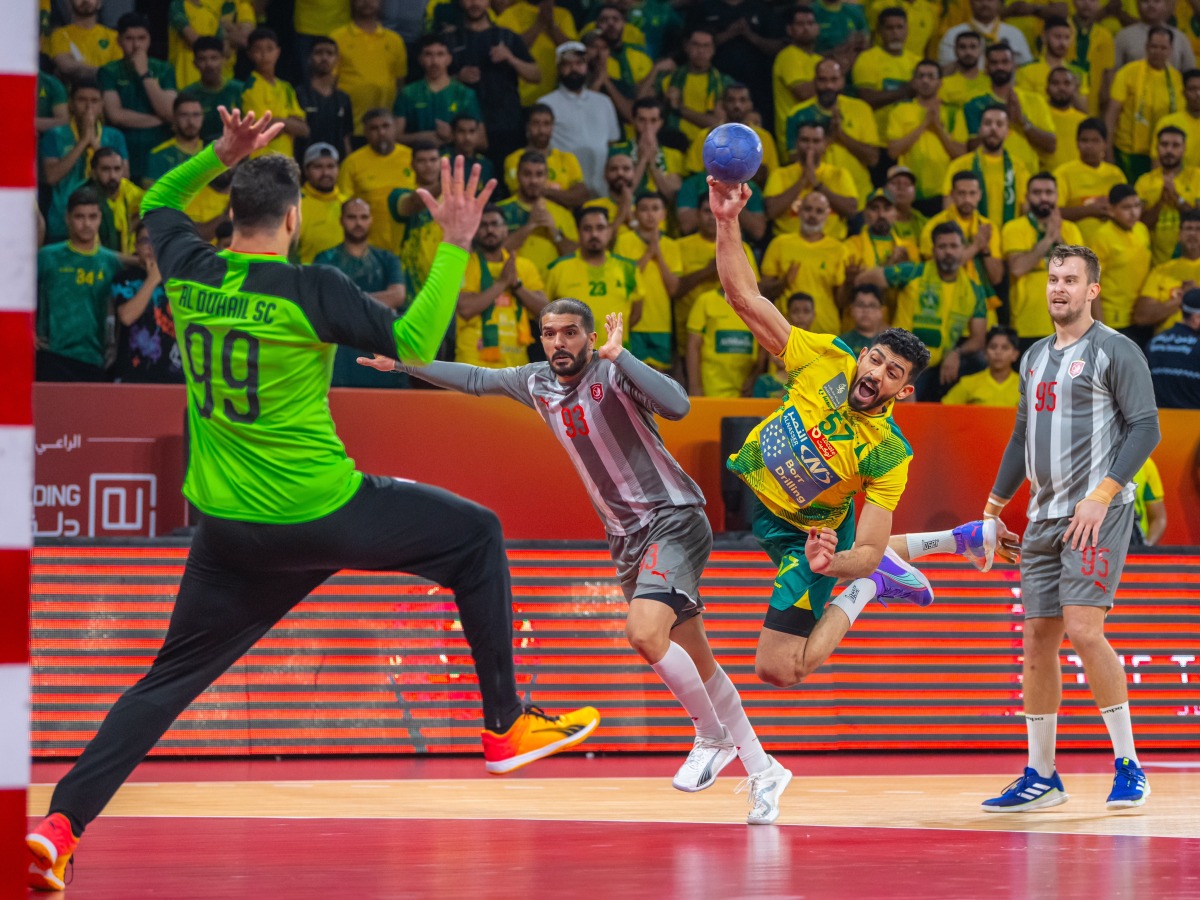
732, 153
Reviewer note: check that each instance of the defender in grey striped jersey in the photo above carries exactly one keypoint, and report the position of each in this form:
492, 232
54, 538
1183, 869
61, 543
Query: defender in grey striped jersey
601, 404
1085, 424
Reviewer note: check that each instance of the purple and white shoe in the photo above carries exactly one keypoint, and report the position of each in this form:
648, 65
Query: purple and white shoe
898, 580
977, 542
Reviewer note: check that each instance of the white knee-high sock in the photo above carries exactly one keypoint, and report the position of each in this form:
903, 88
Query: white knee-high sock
679, 673
1042, 735
1120, 729
855, 597
931, 542
728, 704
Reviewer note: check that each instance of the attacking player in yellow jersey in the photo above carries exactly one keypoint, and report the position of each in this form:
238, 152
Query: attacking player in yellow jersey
831, 439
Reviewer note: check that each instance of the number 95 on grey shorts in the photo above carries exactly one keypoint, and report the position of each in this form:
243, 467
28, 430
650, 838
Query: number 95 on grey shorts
665, 560
1053, 575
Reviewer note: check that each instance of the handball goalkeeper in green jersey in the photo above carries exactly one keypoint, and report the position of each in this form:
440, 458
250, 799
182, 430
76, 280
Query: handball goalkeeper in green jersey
282, 506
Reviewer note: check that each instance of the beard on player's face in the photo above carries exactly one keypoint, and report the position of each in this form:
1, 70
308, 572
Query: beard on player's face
567, 364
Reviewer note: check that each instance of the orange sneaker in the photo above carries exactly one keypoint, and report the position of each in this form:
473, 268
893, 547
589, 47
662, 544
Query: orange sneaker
535, 735
50, 847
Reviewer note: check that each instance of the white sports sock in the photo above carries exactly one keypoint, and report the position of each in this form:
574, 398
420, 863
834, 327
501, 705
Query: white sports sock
1120, 729
855, 598
728, 704
679, 673
1042, 735
930, 542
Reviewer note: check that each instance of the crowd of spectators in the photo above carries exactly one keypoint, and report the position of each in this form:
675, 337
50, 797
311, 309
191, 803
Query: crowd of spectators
921, 158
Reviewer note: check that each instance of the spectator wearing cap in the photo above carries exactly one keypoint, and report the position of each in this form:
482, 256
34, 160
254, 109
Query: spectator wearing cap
265, 92
327, 110
230, 22
901, 183
320, 202
1084, 183
883, 74
544, 28
83, 45
494, 62
185, 139
1163, 290
373, 61
1174, 358
425, 108
138, 93
585, 122
564, 177
941, 305
212, 89
1122, 244
877, 244
66, 152
924, 134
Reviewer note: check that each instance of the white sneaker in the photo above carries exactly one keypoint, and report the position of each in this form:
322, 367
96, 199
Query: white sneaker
704, 763
765, 789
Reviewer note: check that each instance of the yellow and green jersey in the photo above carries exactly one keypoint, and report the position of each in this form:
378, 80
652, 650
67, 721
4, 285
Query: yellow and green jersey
656, 302
258, 338
228, 95
499, 336
728, 351
519, 18
927, 157
1029, 311
820, 271
93, 46
879, 70
422, 236
858, 120
538, 247
1165, 235
1082, 185
981, 389
562, 169
611, 287
1146, 95
793, 65
1125, 261
422, 108
1149, 486
372, 177
206, 18
938, 312
320, 222
696, 252
1167, 278
280, 98
809, 458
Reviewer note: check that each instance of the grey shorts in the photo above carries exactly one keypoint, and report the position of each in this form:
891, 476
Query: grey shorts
665, 560
1053, 575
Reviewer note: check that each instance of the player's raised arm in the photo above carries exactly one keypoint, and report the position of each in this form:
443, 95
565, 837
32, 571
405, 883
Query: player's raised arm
737, 277
478, 381
652, 390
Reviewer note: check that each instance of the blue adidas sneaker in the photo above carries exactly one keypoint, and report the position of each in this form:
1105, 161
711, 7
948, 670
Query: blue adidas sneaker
1030, 791
1130, 787
899, 580
977, 542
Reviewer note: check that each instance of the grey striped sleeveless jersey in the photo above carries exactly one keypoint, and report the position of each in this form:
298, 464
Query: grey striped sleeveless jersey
605, 423
1076, 408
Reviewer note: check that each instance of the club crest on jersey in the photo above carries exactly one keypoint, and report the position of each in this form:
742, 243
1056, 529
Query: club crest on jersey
597, 392
834, 391
1076, 367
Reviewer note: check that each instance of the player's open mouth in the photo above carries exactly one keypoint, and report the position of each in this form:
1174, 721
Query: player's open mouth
865, 391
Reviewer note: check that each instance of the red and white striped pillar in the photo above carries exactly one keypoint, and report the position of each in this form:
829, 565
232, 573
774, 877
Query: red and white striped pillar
18, 292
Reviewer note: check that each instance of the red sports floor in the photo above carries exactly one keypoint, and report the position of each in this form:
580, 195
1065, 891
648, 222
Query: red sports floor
853, 825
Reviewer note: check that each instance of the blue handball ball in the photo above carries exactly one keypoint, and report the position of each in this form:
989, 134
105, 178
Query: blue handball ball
732, 153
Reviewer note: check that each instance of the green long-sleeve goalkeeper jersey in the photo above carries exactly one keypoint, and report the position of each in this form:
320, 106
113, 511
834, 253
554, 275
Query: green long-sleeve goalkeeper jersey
258, 339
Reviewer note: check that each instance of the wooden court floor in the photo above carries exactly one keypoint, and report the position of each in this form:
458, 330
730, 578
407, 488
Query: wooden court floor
860, 825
